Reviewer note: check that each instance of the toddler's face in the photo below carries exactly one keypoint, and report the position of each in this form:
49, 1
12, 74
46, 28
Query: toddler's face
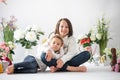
56, 44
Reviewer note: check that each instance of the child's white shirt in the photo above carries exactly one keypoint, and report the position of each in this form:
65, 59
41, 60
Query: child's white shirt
57, 54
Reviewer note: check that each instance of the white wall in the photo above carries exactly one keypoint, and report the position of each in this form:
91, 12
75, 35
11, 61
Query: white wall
45, 13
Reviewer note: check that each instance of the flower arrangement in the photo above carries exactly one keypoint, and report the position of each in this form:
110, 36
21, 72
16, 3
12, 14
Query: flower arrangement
85, 41
7, 28
5, 49
29, 37
101, 35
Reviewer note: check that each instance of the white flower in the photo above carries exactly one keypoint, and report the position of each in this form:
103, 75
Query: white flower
107, 51
28, 37
18, 34
10, 42
31, 36
98, 36
28, 28
92, 37
11, 45
36, 28
118, 51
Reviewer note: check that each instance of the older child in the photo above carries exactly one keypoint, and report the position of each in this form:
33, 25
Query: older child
72, 59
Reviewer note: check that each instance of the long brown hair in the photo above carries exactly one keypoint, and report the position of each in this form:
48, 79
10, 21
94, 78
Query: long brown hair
69, 25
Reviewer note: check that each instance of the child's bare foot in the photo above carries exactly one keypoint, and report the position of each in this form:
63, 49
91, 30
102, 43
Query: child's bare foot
10, 69
77, 69
53, 69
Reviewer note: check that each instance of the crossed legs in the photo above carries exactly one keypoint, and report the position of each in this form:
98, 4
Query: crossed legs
72, 65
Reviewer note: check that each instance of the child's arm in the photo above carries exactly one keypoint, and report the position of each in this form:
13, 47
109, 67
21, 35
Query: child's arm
59, 54
49, 55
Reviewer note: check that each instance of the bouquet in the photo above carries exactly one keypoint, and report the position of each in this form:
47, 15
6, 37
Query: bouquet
100, 35
85, 40
5, 49
28, 37
7, 28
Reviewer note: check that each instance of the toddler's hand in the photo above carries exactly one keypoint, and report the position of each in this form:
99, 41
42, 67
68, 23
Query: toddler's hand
48, 55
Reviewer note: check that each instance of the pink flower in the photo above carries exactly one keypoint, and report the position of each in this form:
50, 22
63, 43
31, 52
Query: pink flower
117, 68
113, 68
7, 49
4, 47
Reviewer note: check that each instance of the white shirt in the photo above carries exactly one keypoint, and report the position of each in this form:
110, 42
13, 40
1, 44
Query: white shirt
70, 48
56, 55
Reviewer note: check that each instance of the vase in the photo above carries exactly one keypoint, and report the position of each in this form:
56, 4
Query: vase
32, 51
5, 65
102, 48
28, 52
